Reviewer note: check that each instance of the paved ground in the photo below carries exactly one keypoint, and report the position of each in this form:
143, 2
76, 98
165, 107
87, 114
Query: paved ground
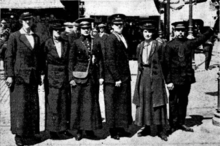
202, 105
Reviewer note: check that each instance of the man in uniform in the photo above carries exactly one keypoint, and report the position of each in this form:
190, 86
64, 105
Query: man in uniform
179, 74
84, 68
117, 77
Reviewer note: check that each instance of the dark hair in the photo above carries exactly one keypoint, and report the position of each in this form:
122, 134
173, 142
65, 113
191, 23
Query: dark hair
154, 31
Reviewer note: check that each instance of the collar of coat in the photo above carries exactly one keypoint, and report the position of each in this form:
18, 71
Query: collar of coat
153, 48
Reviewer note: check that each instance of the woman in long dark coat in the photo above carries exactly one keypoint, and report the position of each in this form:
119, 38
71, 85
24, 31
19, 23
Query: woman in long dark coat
22, 60
150, 95
56, 51
84, 58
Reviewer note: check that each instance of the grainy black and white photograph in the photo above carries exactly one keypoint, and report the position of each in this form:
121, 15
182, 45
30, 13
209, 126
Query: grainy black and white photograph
109, 73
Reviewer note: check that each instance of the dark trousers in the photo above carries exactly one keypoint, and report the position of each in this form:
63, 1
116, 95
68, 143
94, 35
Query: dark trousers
178, 104
118, 105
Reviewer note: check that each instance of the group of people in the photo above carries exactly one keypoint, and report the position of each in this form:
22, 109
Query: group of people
72, 68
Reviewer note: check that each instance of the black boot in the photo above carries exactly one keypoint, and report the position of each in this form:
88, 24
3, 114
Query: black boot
114, 133
78, 135
123, 133
185, 128
18, 140
90, 134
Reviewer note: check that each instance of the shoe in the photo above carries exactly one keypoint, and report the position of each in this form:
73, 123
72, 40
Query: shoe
116, 136
163, 136
91, 135
54, 135
142, 133
18, 140
78, 136
186, 128
65, 135
123, 133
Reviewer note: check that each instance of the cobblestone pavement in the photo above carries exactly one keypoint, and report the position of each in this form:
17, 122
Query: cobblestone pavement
202, 105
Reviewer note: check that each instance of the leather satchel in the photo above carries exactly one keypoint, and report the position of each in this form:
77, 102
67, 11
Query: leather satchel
81, 74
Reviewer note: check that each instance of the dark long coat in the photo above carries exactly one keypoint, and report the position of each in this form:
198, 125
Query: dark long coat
85, 110
117, 99
156, 76
23, 65
56, 86
155, 88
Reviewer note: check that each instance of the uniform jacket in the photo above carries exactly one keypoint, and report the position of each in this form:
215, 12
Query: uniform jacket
56, 67
22, 60
79, 56
177, 64
159, 96
116, 62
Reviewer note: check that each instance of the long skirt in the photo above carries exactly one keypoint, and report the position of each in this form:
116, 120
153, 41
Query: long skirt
85, 111
56, 109
146, 114
24, 104
118, 105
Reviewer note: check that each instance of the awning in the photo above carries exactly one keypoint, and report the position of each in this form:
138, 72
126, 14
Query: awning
141, 8
200, 11
30, 4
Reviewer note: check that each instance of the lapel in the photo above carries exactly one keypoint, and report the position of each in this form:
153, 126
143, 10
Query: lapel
24, 40
141, 51
63, 49
153, 48
53, 48
35, 41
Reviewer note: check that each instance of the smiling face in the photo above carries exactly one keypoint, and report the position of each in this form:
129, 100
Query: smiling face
148, 34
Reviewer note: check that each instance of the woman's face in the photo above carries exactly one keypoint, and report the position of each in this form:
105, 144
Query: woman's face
118, 28
56, 33
147, 34
27, 23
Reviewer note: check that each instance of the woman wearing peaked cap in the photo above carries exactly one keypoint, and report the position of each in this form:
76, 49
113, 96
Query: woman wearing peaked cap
23, 77
56, 51
150, 95
117, 78
84, 71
